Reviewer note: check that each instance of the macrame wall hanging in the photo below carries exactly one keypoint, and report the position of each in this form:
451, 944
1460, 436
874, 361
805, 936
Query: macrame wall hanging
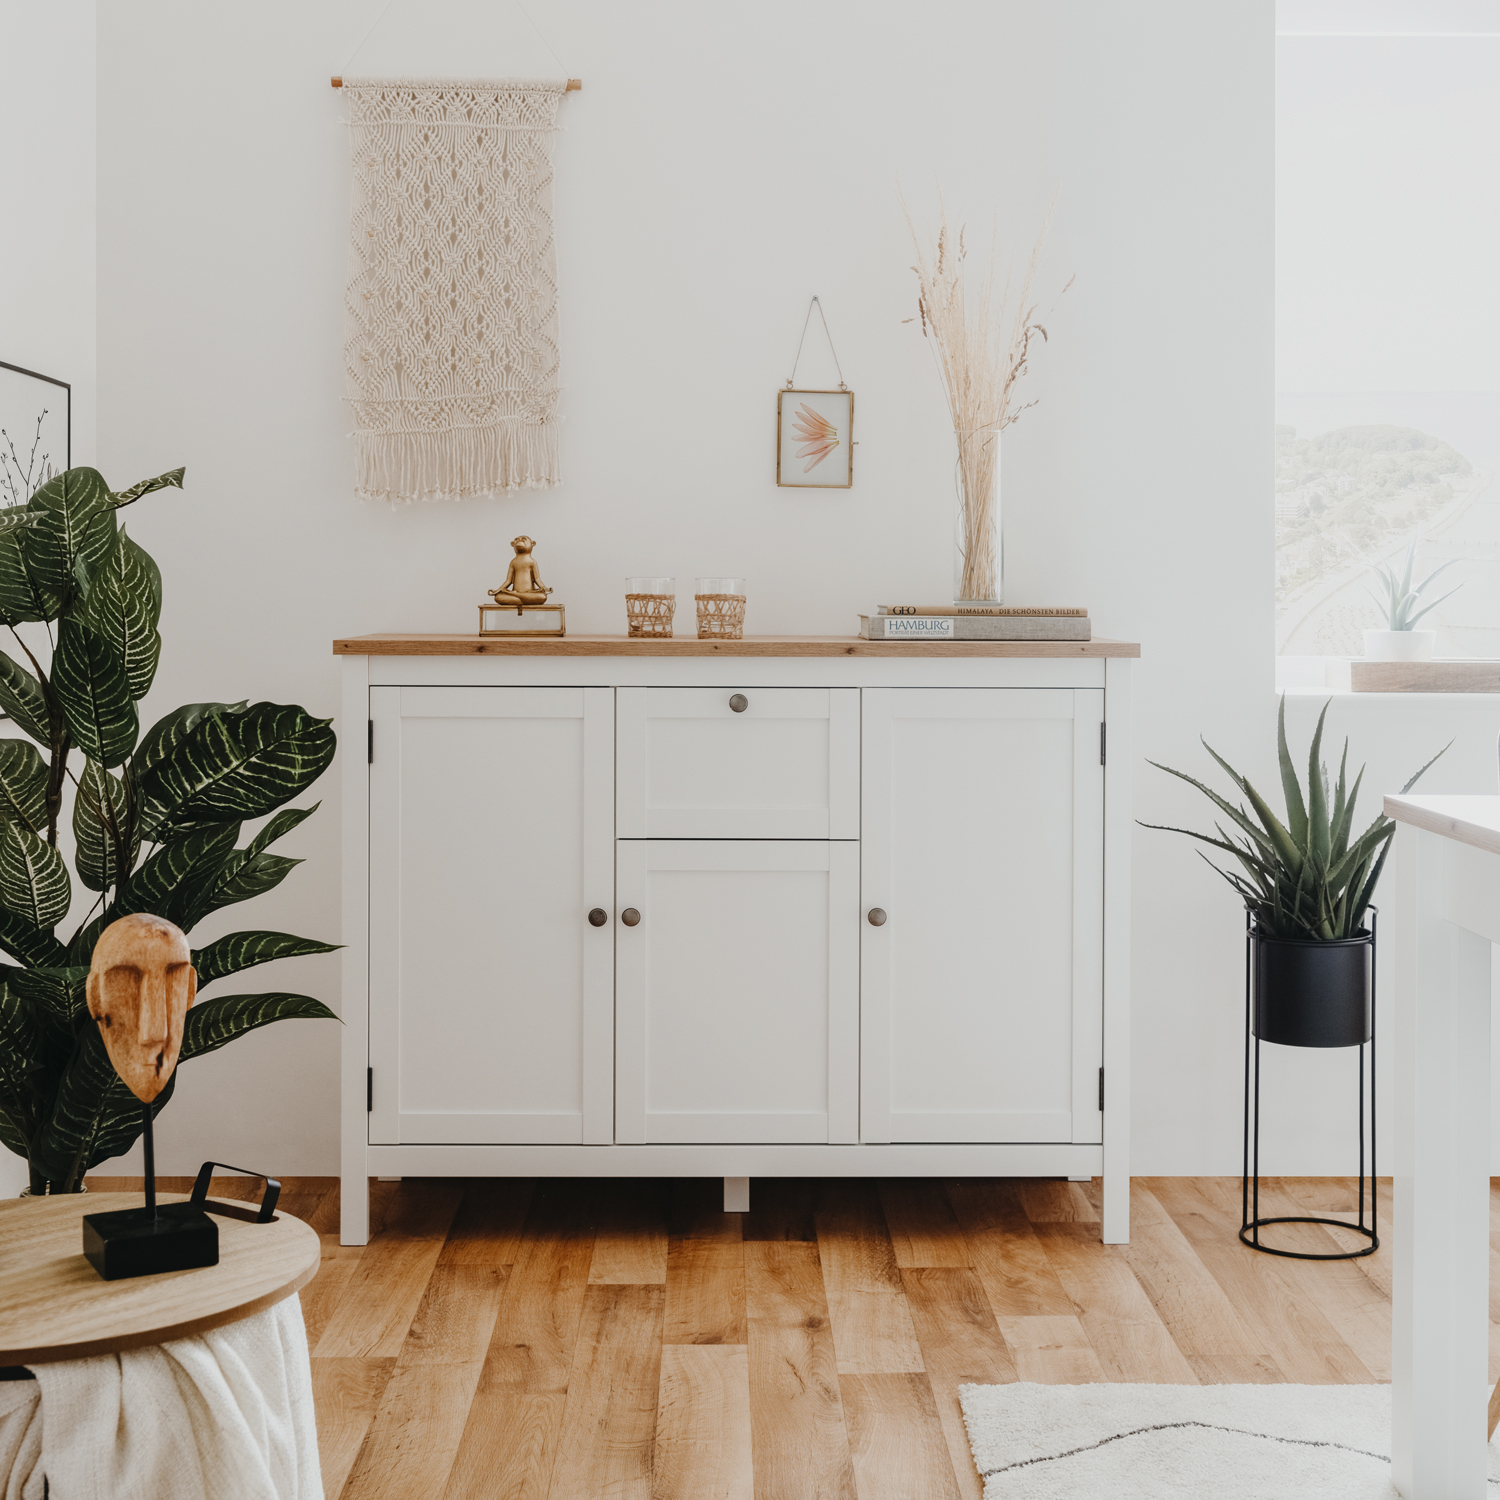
452, 343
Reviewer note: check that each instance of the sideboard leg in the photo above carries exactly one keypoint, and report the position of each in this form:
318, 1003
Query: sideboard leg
736, 1195
354, 1209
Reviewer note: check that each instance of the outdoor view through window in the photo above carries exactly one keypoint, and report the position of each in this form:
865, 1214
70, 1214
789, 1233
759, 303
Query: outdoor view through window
1387, 317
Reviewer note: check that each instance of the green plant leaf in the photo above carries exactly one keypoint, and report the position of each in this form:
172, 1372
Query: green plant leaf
75, 530
1319, 842
103, 828
167, 883
23, 785
35, 947
34, 881
162, 739
89, 680
278, 827
123, 606
57, 991
22, 594
212, 1023
93, 1118
244, 950
239, 766
21, 697
172, 479
241, 877
1296, 812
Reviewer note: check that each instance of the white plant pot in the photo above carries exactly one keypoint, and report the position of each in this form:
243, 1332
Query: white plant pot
1399, 645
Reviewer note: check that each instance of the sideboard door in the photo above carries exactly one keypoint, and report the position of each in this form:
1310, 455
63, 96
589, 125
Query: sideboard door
491, 838
737, 992
983, 843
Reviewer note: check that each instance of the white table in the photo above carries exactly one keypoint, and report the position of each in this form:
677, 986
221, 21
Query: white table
1448, 868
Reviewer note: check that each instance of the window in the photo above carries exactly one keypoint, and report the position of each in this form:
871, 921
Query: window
1387, 316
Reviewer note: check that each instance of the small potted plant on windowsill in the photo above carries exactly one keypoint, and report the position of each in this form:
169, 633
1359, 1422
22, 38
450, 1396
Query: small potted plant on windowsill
1307, 884
1398, 600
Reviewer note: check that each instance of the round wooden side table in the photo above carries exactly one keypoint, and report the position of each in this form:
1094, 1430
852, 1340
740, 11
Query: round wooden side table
54, 1305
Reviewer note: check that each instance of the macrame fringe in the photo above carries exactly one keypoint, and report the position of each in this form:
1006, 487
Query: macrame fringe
400, 467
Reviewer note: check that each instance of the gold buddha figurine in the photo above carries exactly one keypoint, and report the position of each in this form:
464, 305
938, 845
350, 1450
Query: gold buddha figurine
523, 584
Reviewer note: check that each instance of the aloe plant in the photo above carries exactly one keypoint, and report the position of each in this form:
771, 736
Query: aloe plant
1307, 877
1400, 597
156, 821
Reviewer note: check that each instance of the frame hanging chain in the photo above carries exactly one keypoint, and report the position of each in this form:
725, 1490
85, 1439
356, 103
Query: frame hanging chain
815, 303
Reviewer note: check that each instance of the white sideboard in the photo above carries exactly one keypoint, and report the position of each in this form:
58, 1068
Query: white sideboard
776, 907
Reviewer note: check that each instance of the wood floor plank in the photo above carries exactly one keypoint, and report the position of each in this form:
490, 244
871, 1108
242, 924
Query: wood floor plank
1199, 1316
1053, 1201
630, 1233
609, 1421
961, 1344
781, 1208
1359, 1312
1288, 1322
923, 1227
346, 1396
508, 1448
487, 1230
703, 1447
695, 1211
705, 1292
536, 1330
416, 1432
323, 1293
1007, 1255
1121, 1322
375, 1312
895, 1438
872, 1329
1052, 1350
487, 1367
799, 1443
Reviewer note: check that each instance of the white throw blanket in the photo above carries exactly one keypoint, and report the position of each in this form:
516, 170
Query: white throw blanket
224, 1415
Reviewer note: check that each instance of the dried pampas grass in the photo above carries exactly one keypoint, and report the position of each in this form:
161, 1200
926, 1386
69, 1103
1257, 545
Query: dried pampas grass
981, 343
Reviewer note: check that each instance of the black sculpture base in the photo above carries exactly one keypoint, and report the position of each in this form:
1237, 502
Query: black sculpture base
134, 1242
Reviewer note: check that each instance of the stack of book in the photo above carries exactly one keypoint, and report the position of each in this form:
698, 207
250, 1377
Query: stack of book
974, 622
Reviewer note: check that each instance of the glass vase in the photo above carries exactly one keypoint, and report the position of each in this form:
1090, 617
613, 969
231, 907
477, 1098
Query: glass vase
978, 568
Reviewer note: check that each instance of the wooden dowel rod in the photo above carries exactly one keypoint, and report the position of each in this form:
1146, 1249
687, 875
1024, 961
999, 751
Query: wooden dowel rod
574, 84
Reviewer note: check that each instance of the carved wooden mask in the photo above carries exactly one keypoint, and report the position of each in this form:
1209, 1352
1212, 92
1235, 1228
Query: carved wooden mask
140, 986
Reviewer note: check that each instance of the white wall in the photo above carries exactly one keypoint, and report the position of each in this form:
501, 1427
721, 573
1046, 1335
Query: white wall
721, 164
47, 250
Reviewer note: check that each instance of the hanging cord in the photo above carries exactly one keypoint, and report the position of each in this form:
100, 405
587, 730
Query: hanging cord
366, 37
389, 3
808, 319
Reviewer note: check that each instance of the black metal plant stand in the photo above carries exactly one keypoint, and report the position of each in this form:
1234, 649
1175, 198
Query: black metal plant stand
1251, 1221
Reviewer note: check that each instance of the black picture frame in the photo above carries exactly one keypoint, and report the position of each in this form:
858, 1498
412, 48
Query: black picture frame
27, 453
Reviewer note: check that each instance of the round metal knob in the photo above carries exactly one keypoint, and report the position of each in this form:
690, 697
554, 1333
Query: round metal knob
877, 917
739, 703
630, 916
598, 917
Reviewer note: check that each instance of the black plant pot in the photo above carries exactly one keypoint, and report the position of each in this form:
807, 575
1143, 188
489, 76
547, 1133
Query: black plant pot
1313, 994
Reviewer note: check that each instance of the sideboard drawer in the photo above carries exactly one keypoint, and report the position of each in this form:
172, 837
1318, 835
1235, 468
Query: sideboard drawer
737, 763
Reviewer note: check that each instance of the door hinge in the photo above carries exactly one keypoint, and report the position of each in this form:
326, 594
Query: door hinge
1101, 741
370, 1090
370, 744
1101, 1091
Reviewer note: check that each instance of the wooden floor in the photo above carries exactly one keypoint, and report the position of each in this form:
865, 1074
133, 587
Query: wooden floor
625, 1338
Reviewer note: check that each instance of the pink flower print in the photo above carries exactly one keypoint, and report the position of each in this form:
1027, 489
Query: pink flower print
817, 434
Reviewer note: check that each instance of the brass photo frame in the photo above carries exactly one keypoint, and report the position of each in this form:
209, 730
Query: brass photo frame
815, 439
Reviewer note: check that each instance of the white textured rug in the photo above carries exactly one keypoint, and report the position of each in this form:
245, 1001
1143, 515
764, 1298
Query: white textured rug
1234, 1442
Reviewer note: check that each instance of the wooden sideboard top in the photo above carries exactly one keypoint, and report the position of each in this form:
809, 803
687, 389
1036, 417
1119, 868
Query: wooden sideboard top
1467, 819
390, 644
